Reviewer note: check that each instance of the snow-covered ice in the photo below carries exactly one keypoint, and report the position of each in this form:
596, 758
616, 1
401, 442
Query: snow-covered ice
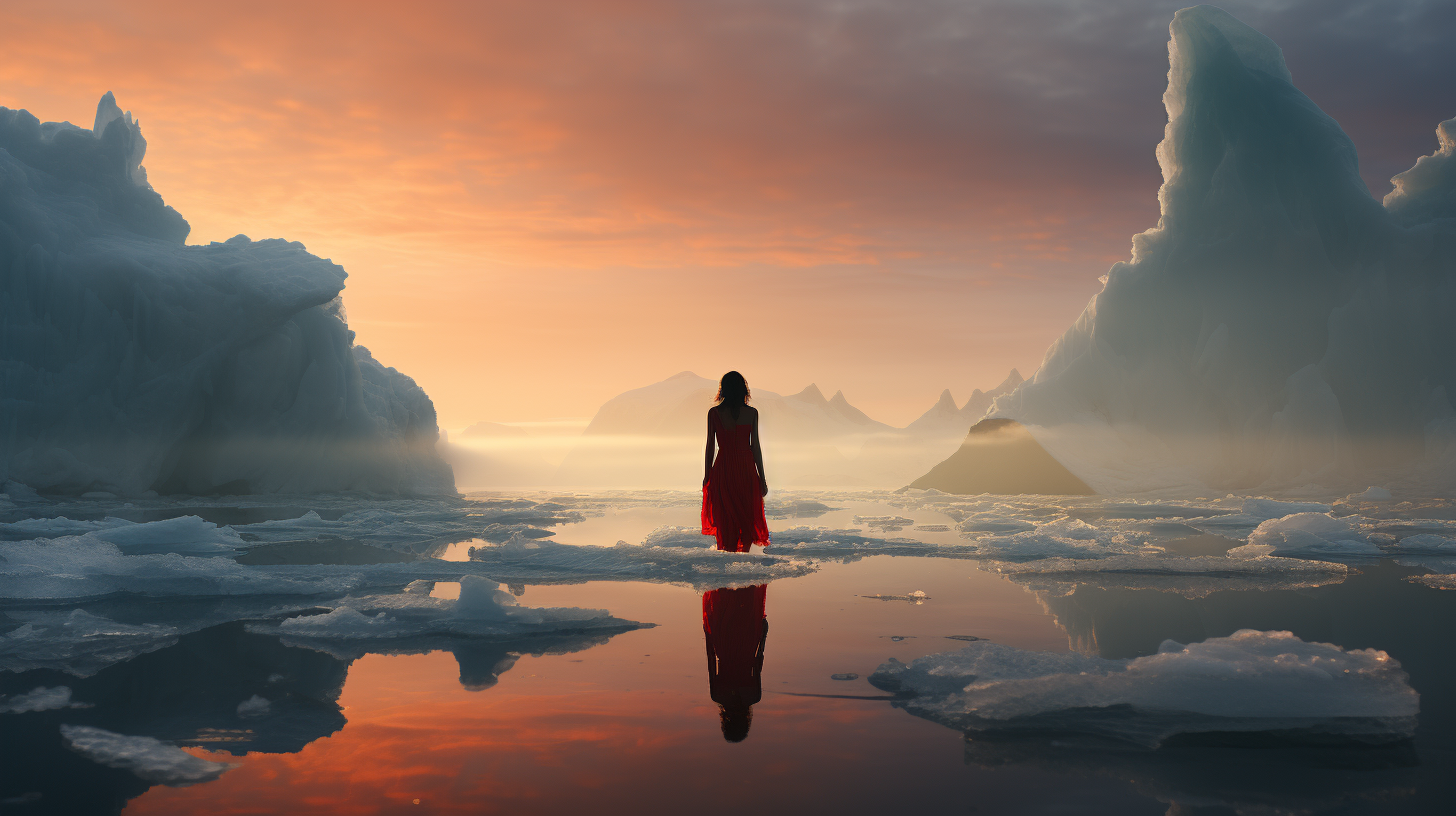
1251, 681
151, 759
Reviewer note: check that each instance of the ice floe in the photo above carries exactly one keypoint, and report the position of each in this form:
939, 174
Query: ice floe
39, 698
151, 759
1251, 681
1311, 533
481, 611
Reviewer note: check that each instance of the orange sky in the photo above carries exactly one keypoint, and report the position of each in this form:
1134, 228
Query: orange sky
542, 205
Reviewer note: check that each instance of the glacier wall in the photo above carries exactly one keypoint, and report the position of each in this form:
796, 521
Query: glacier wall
131, 362
1279, 328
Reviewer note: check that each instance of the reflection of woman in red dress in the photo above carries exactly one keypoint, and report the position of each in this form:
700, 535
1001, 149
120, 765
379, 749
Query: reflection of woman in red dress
734, 484
736, 630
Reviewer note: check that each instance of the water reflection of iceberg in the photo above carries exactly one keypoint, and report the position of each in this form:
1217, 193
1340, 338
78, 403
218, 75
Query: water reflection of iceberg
186, 694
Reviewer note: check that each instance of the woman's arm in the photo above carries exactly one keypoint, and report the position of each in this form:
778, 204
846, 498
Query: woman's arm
708, 455
758, 457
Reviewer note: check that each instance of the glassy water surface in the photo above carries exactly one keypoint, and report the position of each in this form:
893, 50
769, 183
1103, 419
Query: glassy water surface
647, 720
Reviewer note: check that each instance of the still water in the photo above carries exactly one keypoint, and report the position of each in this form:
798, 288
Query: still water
627, 723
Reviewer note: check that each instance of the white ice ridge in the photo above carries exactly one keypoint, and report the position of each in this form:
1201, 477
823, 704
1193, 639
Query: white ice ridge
1250, 681
132, 362
1278, 327
151, 759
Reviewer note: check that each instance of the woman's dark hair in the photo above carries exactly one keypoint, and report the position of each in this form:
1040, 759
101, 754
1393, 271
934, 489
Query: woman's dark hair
733, 392
735, 721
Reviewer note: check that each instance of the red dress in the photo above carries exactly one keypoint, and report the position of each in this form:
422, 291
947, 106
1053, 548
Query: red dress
732, 501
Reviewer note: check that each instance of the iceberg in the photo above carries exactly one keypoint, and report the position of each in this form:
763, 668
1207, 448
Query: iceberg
1279, 328
1250, 681
132, 362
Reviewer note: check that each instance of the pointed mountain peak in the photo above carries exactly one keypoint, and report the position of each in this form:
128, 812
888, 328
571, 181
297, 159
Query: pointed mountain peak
811, 394
841, 405
946, 401
1009, 384
683, 375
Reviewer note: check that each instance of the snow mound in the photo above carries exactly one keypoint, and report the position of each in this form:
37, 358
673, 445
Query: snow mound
1250, 681
130, 361
151, 759
1278, 327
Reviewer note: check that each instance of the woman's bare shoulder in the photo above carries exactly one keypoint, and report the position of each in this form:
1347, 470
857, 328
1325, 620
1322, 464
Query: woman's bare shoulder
753, 412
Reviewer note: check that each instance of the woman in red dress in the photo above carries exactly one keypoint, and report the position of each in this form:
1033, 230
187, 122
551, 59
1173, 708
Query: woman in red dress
734, 484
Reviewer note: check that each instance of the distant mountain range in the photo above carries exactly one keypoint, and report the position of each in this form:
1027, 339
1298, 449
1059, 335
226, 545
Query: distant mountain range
652, 437
640, 437
678, 406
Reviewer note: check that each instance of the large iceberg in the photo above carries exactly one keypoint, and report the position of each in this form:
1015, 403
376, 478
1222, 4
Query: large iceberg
1279, 327
130, 361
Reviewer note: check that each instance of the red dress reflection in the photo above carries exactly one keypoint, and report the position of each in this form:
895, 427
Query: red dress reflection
736, 630
732, 500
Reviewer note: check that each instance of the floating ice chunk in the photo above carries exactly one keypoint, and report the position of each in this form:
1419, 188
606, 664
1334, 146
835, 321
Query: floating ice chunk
185, 535
77, 641
1311, 534
483, 599
88, 566
993, 522
547, 561
1427, 543
681, 537
1065, 538
1249, 681
481, 611
55, 527
917, 597
39, 699
151, 759
18, 492
1439, 580
1190, 576
254, 706
188, 535
1272, 509
342, 622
